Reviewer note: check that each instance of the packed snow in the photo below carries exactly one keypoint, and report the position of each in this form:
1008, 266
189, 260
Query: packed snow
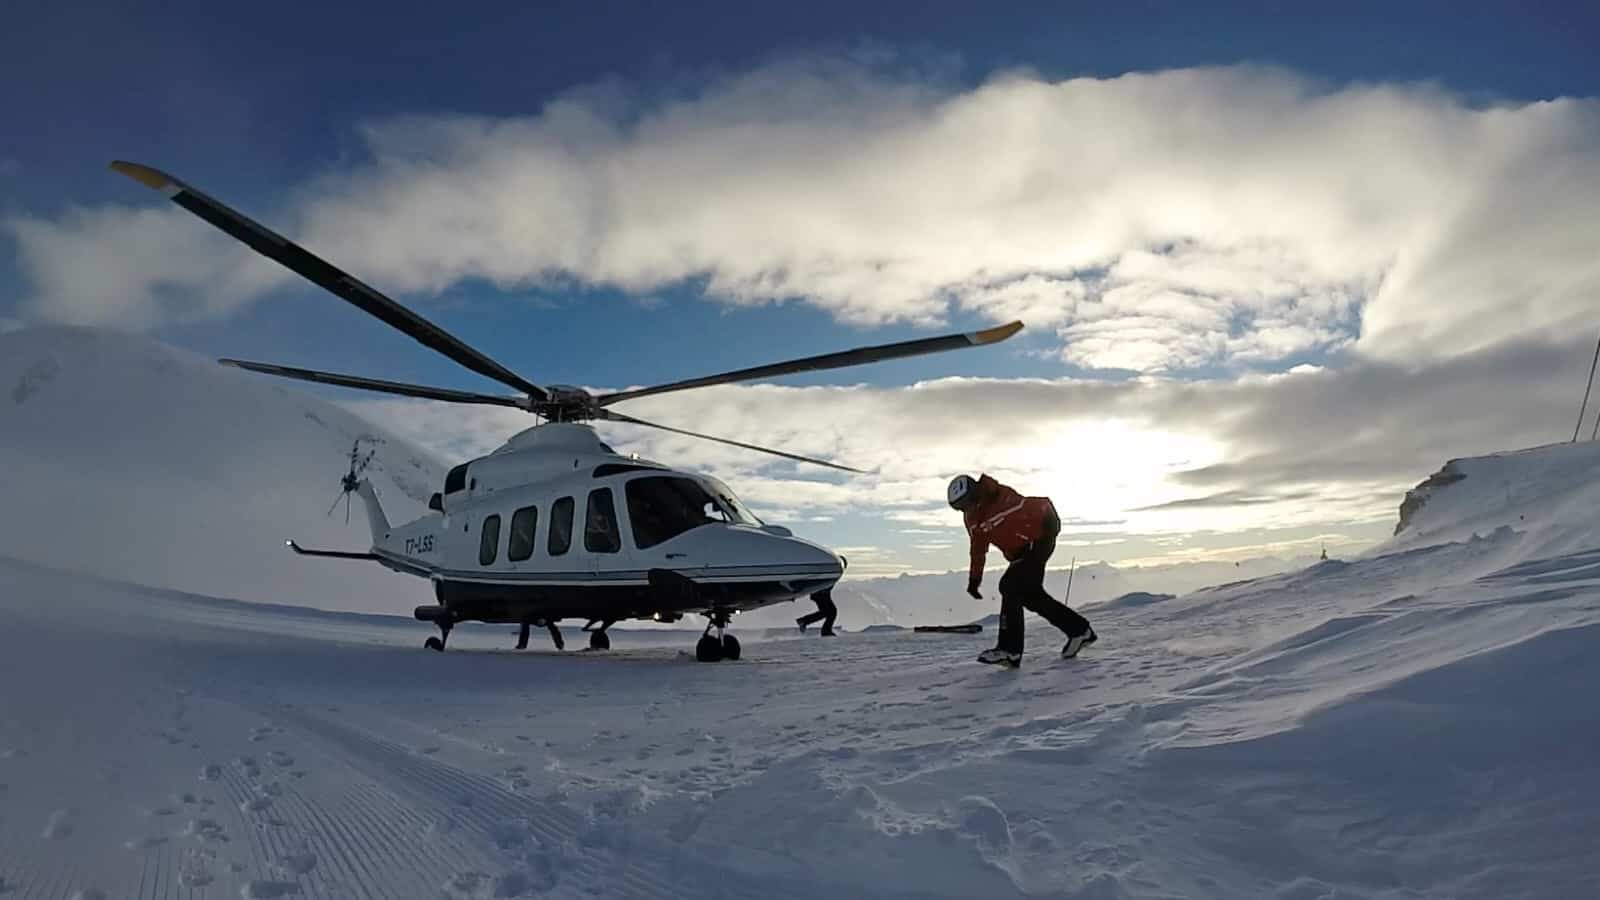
1406, 724
1409, 723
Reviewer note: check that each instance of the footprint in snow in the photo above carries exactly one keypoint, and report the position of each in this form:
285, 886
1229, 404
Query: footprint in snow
258, 803
59, 825
268, 890
193, 872
298, 862
475, 885
210, 772
207, 831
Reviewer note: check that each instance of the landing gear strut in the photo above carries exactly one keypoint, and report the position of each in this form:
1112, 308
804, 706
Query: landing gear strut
522, 636
444, 636
719, 646
598, 639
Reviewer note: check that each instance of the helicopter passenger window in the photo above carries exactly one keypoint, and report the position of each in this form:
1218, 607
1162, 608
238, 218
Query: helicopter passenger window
523, 524
600, 534
560, 527
489, 543
456, 479
663, 507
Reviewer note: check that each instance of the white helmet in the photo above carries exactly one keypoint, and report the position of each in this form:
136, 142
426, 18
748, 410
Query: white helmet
960, 490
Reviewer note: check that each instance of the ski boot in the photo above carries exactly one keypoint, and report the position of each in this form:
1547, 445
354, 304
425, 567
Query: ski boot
998, 657
1077, 643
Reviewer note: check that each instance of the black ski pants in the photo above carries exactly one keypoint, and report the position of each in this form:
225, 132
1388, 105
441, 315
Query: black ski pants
826, 611
1022, 587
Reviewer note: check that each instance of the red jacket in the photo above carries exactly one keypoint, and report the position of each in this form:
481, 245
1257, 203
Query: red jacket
1007, 520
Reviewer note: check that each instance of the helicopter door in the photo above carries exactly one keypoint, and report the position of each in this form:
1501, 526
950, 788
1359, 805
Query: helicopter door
602, 532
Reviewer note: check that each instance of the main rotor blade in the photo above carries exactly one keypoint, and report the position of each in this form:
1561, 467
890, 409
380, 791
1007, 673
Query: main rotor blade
613, 416
856, 357
374, 384
324, 274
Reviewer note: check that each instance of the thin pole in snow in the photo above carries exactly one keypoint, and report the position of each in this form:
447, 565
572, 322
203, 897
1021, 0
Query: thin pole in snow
1596, 433
1585, 407
1070, 569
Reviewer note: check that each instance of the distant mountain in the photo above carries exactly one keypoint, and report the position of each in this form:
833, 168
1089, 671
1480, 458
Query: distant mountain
126, 458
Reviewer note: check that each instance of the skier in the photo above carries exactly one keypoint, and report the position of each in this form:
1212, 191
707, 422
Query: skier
826, 612
1024, 529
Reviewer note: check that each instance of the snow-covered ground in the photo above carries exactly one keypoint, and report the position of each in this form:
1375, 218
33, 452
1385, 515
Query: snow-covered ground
1412, 723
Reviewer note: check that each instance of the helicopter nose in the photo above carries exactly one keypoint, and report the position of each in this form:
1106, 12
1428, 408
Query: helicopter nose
808, 554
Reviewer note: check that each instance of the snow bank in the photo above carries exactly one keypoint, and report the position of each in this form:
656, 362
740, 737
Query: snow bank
1400, 725
1542, 501
133, 460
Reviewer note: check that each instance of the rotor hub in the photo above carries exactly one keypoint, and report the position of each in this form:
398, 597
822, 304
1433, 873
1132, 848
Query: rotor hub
565, 403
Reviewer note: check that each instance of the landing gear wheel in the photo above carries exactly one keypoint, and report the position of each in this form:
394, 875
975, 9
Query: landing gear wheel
434, 644
599, 640
730, 647
709, 649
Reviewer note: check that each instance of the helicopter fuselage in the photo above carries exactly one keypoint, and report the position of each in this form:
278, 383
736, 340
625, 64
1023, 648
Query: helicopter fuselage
555, 525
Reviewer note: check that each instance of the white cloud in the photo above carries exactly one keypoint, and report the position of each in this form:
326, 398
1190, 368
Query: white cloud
1160, 221
1313, 449
134, 268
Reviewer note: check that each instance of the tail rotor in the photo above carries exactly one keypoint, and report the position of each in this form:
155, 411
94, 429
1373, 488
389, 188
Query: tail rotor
352, 478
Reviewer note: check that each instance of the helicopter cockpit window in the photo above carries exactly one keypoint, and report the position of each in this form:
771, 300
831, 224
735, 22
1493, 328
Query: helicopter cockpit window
665, 506
456, 479
726, 496
560, 539
489, 543
523, 524
600, 533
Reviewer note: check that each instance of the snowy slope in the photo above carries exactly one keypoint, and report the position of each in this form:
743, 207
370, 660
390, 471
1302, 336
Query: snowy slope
128, 458
1548, 495
941, 598
1408, 724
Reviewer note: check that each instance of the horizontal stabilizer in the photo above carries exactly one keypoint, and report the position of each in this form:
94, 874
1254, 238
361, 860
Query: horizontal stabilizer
331, 554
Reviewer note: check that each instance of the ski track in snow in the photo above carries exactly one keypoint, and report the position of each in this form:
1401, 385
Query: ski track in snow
1388, 727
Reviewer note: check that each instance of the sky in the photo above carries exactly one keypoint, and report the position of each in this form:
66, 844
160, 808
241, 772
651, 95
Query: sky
1275, 265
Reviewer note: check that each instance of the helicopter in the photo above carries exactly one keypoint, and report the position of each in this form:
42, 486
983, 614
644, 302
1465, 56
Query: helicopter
555, 524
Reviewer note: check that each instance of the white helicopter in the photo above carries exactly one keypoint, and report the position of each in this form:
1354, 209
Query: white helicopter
555, 524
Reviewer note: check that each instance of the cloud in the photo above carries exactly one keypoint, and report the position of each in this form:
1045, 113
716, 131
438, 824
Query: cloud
134, 268
1257, 457
1160, 222
1227, 498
